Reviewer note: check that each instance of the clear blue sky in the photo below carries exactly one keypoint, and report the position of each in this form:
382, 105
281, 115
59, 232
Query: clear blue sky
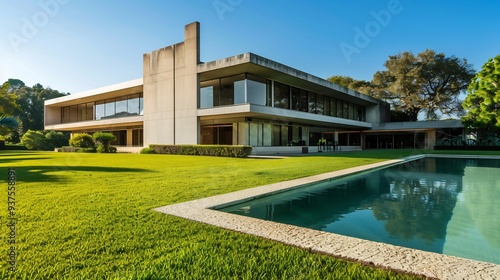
77, 45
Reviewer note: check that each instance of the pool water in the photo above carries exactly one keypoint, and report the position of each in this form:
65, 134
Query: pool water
449, 206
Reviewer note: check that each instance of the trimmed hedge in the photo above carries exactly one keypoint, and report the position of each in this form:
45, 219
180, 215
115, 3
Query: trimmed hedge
203, 150
14, 147
467, 148
71, 149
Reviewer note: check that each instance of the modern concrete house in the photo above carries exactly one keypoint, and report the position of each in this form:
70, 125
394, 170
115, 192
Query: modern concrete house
240, 100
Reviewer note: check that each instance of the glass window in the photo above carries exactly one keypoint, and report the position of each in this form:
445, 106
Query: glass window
346, 110
333, 107
320, 104
256, 92
340, 109
239, 92
109, 108
299, 100
133, 105
82, 112
312, 102
327, 106
99, 110
65, 114
269, 93
209, 94
73, 113
90, 111
121, 107
281, 95
228, 90
141, 105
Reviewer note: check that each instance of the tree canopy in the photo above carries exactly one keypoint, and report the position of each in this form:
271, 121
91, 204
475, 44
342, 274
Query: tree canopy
428, 83
25, 103
483, 100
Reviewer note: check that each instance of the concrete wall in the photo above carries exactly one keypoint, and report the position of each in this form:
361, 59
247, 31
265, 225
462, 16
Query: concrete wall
52, 115
378, 113
171, 92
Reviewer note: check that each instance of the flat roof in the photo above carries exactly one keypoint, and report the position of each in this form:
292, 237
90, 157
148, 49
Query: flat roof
120, 89
266, 68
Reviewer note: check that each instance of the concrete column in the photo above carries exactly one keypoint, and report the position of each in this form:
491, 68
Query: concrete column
187, 85
430, 139
171, 86
129, 137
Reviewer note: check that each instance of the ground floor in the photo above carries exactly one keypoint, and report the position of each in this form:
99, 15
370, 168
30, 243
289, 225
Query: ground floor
281, 133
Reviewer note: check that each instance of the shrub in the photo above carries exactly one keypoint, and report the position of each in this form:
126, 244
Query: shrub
56, 139
35, 140
147, 151
204, 150
82, 140
2, 144
112, 149
103, 139
71, 149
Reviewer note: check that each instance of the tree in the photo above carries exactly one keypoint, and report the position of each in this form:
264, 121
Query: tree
103, 139
429, 83
34, 140
30, 101
483, 99
348, 82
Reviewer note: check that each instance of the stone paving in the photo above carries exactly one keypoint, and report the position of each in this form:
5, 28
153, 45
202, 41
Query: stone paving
377, 254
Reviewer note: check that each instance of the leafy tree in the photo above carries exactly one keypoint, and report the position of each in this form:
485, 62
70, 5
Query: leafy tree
483, 99
428, 83
30, 102
82, 140
357, 85
8, 105
103, 139
34, 140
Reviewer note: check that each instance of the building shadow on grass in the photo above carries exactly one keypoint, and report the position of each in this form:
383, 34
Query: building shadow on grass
45, 173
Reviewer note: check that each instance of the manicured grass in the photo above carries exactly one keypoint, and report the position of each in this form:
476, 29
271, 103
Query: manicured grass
88, 216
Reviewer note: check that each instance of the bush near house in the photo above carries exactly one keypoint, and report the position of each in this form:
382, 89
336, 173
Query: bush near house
81, 140
103, 139
203, 150
43, 140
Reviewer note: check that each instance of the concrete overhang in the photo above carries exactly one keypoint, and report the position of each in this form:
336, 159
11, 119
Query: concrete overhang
116, 90
418, 125
279, 115
100, 124
266, 68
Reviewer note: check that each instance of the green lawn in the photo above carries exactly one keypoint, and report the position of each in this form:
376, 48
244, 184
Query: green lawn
88, 216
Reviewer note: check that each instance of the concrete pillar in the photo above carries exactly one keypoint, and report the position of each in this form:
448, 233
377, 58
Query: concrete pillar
171, 86
430, 139
129, 137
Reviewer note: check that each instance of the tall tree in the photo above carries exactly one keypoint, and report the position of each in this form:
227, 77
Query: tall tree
30, 101
483, 99
429, 83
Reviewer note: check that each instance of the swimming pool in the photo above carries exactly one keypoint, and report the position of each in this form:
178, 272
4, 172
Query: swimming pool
438, 205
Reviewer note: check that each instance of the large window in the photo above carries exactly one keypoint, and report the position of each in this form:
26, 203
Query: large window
256, 90
131, 105
281, 95
299, 100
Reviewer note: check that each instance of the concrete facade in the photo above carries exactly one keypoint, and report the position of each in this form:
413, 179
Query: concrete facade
244, 99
